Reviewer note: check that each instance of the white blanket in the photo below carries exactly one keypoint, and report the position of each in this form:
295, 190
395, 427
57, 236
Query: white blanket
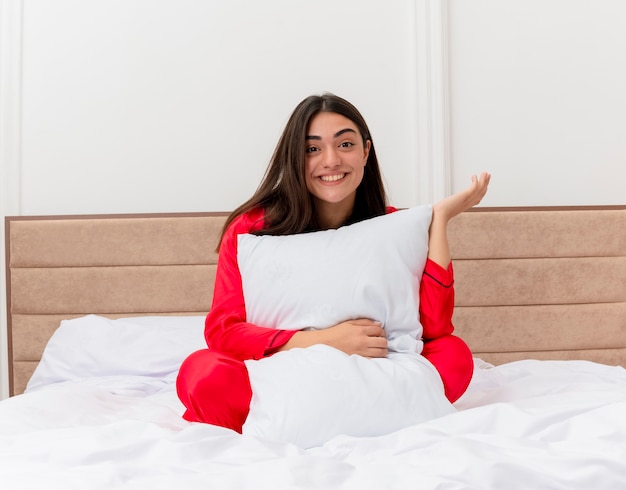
526, 425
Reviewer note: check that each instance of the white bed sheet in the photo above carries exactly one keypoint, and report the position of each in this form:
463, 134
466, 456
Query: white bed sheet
528, 424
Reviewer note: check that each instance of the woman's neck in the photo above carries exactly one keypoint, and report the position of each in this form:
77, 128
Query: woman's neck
332, 215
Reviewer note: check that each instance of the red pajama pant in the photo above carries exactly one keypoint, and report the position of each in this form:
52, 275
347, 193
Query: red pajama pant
215, 388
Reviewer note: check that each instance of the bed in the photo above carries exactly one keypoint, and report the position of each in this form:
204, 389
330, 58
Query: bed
102, 310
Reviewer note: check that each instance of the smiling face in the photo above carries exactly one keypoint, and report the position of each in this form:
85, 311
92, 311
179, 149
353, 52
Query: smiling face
335, 163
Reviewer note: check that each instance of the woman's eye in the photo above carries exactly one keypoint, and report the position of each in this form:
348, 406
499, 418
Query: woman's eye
346, 144
311, 149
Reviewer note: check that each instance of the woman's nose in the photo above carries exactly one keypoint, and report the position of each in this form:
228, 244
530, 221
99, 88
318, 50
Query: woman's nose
331, 158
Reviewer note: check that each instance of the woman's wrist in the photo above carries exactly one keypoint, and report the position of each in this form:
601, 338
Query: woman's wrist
304, 339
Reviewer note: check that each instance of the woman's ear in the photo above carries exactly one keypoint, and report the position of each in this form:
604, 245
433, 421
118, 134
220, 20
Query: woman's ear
366, 151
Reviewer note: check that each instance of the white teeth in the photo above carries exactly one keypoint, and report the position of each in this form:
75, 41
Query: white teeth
332, 178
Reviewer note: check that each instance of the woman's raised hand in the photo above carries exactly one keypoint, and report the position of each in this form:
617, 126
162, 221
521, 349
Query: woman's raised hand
455, 204
448, 208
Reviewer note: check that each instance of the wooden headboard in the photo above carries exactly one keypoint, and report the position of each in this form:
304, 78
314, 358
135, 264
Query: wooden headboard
541, 283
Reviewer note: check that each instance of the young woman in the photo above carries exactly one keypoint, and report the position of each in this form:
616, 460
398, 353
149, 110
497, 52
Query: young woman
324, 174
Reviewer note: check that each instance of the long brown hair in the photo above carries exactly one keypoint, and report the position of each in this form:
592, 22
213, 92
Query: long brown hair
283, 193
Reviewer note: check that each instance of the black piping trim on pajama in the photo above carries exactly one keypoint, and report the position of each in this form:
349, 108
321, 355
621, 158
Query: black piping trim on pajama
438, 281
271, 347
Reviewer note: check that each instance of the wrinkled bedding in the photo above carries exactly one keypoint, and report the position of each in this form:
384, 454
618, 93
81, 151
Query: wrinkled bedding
526, 424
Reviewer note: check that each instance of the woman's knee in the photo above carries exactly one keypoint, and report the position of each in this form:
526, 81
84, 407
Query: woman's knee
454, 361
215, 389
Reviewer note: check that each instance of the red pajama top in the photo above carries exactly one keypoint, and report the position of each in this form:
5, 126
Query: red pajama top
227, 331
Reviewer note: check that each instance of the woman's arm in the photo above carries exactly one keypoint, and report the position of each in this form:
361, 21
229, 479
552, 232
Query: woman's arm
226, 329
363, 337
437, 285
436, 300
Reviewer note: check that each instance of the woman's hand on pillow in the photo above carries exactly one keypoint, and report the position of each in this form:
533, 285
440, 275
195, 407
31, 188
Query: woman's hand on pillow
362, 336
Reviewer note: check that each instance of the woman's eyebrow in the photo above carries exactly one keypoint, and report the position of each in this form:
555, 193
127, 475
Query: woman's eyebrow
336, 135
347, 130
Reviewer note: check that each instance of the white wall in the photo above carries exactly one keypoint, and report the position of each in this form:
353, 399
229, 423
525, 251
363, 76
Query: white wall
537, 96
151, 105
159, 105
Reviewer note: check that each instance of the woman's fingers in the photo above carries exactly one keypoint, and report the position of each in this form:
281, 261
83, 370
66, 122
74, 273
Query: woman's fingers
375, 346
479, 187
375, 342
370, 327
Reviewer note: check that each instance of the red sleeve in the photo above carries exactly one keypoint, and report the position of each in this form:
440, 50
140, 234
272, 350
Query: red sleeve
436, 300
226, 329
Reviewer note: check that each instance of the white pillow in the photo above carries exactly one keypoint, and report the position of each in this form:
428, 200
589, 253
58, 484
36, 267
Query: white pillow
94, 346
371, 269
308, 396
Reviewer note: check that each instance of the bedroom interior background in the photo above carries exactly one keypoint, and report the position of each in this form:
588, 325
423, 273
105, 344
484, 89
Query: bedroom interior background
153, 106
